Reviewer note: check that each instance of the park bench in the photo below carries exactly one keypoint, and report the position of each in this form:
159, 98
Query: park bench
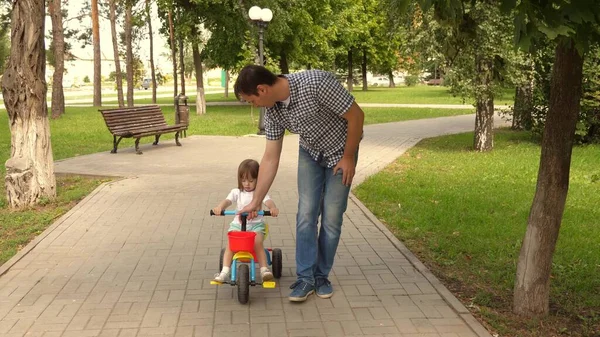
140, 121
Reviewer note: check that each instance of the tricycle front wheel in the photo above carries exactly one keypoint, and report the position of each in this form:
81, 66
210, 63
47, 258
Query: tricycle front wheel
277, 262
221, 259
243, 283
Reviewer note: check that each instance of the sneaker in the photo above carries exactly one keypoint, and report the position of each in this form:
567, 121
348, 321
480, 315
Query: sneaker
221, 277
301, 291
266, 275
324, 288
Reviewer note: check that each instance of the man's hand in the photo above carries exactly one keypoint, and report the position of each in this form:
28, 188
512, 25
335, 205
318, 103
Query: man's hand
348, 166
217, 210
252, 209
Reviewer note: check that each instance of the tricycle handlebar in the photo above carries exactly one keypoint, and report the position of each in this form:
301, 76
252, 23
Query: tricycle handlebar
265, 213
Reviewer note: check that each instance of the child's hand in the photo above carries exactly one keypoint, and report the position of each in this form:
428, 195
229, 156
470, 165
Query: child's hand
217, 210
274, 212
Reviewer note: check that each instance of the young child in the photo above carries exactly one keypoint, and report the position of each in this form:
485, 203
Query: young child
242, 195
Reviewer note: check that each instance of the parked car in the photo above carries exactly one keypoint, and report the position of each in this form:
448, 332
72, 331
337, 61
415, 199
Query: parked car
146, 83
379, 81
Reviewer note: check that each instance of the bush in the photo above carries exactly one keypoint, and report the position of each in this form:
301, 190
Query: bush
86, 79
411, 80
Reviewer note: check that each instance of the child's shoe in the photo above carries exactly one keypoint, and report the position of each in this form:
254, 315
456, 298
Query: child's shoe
221, 277
266, 275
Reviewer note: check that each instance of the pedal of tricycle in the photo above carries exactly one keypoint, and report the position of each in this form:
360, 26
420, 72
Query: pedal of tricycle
269, 284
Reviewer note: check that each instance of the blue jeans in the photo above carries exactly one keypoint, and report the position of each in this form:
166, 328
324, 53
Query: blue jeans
320, 193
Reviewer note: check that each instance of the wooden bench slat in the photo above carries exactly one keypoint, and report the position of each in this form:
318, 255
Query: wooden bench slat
132, 122
152, 131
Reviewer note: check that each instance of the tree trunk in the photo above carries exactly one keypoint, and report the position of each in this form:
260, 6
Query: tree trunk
484, 116
152, 70
283, 63
200, 98
227, 78
58, 95
532, 284
129, 51
522, 119
350, 79
113, 31
364, 70
97, 56
391, 75
173, 53
182, 65
30, 168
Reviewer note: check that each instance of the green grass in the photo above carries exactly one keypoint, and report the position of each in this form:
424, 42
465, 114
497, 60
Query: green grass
420, 95
18, 228
465, 213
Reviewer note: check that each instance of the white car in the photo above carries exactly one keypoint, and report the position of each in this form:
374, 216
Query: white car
379, 81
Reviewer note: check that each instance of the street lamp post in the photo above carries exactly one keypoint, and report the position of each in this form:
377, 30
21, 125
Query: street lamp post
261, 17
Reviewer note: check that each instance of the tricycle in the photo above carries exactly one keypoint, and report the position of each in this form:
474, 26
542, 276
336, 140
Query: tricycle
242, 244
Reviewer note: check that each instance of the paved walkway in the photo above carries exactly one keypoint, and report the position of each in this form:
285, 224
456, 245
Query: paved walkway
135, 257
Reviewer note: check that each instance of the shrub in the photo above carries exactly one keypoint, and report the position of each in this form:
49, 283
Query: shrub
411, 80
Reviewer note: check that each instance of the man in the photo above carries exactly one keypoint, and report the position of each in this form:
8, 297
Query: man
316, 106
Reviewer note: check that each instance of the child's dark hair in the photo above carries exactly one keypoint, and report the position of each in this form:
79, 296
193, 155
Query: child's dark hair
247, 169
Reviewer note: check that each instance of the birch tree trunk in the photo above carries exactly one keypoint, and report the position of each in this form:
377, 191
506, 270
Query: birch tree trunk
58, 95
173, 53
30, 168
532, 283
113, 30
200, 98
152, 70
97, 56
129, 51
182, 65
484, 116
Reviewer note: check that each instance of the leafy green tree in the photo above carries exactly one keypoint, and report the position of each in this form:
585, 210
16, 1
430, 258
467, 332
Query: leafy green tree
575, 26
389, 43
473, 37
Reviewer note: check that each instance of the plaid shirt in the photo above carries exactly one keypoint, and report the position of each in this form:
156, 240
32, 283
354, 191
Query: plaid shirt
317, 103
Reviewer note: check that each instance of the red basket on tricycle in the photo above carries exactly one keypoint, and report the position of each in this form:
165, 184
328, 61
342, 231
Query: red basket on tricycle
241, 241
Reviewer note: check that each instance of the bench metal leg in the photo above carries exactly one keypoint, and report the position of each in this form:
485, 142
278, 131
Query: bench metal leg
137, 146
156, 137
177, 138
115, 144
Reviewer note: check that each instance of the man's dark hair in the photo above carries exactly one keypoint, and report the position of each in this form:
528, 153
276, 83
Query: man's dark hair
250, 77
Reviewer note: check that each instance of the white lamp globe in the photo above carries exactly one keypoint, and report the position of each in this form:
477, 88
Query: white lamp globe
254, 13
266, 15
